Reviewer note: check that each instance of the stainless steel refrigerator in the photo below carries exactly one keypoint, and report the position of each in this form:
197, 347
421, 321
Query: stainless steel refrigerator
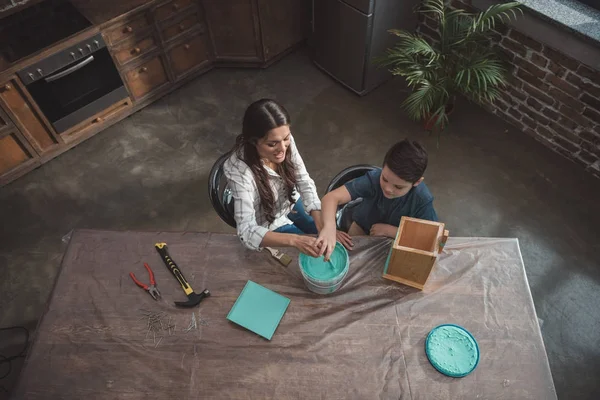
348, 34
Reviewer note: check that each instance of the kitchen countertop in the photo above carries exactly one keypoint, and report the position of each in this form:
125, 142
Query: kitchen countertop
99, 12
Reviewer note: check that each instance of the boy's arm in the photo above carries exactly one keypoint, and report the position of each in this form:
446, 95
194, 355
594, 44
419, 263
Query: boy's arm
385, 230
329, 204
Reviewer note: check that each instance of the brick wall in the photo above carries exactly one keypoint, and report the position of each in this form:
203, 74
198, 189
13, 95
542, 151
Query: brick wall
549, 96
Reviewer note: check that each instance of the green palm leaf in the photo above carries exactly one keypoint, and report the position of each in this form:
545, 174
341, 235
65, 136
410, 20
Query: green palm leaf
459, 61
497, 13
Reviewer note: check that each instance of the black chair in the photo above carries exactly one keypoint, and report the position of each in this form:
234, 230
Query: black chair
219, 192
222, 200
344, 213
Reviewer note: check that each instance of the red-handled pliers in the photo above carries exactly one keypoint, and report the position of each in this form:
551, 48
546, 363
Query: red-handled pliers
150, 289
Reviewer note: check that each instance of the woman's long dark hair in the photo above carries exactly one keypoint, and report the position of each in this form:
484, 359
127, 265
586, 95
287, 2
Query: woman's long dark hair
260, 117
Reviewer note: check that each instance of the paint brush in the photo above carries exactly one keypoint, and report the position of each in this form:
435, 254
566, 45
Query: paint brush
280, 256
331, 263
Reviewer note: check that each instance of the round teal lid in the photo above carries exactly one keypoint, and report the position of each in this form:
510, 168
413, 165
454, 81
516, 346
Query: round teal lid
452, 350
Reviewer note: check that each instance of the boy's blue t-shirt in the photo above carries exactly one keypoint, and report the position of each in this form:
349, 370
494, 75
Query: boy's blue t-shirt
376, 208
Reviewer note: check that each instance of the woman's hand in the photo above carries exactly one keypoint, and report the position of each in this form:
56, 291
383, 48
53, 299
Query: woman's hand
383, 230
344, 239
306, 245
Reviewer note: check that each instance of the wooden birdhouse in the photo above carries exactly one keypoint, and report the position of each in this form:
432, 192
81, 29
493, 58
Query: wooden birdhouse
414, 251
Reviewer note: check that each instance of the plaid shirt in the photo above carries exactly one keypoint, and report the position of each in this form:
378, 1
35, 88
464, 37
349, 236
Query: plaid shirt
252, 224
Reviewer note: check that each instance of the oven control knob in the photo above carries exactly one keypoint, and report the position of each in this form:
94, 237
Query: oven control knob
80, 50
31, 76
72, 55
39, 71
97, 44
89, 46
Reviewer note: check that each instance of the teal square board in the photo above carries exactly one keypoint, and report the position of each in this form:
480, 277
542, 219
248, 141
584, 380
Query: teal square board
258, 309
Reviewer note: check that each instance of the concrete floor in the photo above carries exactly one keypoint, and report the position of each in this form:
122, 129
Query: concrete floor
150, 172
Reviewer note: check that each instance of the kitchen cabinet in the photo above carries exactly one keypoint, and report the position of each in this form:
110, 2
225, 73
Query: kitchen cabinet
135, 26
256, 30
182, 27
156, 46
132, 50
283, 24
17, 157
27, 118
234, 29
172, 8
189, 55
147, 78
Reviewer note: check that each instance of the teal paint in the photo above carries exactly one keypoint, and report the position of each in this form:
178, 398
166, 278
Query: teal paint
324, 271
322, 276
452, 350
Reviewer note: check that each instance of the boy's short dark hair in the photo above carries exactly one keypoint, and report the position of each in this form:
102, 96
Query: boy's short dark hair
407, 159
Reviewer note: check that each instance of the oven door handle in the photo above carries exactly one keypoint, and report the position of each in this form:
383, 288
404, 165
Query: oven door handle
69, 71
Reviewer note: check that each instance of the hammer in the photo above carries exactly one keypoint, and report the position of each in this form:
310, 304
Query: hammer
193, 298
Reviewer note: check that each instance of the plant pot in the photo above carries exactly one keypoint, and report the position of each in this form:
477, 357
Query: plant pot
430, 121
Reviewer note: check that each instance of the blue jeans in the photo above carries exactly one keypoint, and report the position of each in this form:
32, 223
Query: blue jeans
302, 223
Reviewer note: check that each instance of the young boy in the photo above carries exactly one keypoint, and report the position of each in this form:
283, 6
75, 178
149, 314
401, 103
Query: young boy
388, 194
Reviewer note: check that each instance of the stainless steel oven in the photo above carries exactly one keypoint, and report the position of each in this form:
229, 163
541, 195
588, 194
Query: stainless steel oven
74, 84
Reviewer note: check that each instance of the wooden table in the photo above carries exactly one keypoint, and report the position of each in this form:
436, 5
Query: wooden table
365, 341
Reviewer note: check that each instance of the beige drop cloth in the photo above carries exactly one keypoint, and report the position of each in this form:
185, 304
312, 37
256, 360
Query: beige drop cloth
365, 341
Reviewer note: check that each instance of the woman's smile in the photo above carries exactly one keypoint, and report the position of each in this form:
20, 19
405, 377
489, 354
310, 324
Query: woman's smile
279, 156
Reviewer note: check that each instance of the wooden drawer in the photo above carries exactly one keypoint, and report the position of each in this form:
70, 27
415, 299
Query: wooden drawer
128, 30
16, 156
188, 55
132, 50
181, 27
83, 128
146, 78
26, 116
168, 10
4, 121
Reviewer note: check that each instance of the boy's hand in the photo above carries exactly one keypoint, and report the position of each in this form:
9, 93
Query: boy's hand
344, 239
326, 241
384, 230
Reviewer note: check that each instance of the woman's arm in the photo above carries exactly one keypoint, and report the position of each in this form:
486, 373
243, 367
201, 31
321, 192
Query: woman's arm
251, 234
306, 186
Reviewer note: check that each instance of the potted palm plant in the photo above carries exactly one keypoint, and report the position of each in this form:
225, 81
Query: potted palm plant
460, 60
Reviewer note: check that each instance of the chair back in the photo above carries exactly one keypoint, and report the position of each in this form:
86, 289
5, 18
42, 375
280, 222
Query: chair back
344, 213
347, 174
219, 192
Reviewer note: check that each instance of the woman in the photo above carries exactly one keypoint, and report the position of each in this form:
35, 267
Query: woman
263, 172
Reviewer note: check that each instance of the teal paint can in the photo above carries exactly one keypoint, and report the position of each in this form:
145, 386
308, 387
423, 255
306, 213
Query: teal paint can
324, 277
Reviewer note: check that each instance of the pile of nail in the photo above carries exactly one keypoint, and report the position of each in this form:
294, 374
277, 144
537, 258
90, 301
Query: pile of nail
157, 324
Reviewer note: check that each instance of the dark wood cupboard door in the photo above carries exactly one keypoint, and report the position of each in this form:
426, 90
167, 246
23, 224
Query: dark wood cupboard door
16, 155
234, 29
283, 24
26, 116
